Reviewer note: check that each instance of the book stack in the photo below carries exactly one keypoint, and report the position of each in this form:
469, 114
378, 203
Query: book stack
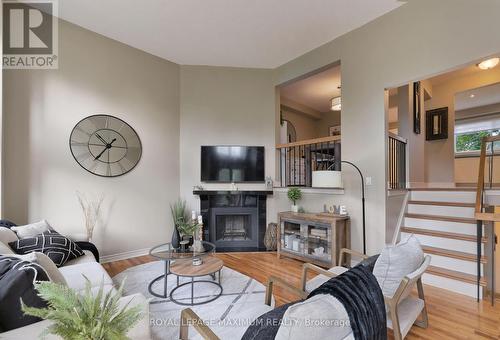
318, 232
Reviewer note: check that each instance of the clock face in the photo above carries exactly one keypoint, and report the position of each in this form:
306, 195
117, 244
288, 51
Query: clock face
105, 145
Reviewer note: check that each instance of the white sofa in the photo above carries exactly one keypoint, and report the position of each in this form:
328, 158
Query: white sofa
73, 272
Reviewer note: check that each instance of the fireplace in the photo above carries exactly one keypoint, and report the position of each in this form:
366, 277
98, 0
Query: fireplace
234, 220
234, 227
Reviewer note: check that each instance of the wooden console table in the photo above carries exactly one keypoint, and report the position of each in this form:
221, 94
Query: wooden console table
302, 235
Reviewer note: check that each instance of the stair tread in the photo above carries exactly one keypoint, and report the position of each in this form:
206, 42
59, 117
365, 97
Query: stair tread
444, 189
444, 204
452, 274
443, 234
442, 218
453, 254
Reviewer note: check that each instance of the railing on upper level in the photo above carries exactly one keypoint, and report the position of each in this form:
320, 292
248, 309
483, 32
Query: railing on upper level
397, 162
487, 144
299, 159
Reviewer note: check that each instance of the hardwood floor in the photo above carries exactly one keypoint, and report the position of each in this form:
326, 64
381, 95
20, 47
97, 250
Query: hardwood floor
451, 316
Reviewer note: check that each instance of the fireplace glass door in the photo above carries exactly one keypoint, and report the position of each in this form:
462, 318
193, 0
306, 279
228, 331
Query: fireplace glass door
233, 227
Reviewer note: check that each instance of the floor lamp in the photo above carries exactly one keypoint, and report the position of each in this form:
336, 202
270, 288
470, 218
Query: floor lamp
333, 179
362, 202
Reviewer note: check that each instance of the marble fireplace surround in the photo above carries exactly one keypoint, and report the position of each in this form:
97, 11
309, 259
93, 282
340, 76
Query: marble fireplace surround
252, 203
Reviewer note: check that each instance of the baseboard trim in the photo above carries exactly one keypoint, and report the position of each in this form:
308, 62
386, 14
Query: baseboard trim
124, 255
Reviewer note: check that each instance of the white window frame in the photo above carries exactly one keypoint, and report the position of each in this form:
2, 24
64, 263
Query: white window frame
471, 153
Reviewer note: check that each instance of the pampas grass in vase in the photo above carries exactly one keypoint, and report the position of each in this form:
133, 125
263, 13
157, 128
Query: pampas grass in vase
91, 208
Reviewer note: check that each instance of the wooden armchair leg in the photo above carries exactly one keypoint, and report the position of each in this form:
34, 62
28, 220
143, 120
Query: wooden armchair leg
395, 322
424, 323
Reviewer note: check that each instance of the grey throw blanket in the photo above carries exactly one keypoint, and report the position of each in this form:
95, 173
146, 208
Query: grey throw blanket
359, 292
267, 325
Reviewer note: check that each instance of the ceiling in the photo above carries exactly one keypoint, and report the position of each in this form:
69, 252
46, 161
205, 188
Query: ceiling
239, 33
482, 96
315, 91
462, 72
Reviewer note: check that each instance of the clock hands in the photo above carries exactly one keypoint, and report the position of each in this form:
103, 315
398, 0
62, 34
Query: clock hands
108, 146
99, 155
101, 139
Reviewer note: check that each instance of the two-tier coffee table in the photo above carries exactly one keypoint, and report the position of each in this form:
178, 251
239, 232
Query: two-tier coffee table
180, 263
210, 266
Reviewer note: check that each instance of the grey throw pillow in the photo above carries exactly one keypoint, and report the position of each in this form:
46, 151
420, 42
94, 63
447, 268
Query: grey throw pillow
395, 262
32, 229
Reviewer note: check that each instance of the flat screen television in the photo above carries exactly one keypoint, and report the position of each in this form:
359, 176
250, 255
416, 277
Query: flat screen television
232, 163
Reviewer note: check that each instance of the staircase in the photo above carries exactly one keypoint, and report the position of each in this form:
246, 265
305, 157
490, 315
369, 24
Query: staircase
443, 221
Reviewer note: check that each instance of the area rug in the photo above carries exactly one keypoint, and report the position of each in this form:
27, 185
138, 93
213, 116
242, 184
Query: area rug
242, 301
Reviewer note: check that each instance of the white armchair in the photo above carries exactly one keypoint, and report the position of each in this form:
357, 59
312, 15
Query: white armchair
403, 309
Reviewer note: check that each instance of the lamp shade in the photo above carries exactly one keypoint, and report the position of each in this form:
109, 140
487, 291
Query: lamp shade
326, 179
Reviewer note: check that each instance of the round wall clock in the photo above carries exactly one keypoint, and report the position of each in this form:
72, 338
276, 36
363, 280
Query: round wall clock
105, 145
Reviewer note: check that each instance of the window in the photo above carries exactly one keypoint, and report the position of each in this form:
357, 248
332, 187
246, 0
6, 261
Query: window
470, 131
471, 141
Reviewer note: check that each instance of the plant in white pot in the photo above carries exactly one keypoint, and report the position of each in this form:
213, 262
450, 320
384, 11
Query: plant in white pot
294, 195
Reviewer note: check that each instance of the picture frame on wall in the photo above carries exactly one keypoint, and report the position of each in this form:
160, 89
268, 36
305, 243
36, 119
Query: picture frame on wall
417, 109
436, 124
334, 130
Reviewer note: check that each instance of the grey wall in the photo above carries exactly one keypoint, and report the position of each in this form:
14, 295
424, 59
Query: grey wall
430, 39
416, 142
440, 154
95, 75
224, 106
327, 119
218, 106
305, 125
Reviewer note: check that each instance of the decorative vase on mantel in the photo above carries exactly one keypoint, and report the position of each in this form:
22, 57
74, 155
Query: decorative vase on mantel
175, 238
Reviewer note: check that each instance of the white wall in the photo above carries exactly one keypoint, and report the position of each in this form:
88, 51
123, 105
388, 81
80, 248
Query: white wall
430, 39
95, 75
225, 106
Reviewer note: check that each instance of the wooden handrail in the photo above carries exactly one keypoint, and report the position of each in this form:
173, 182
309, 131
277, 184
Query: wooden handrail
309, 142
399, 138
479, 214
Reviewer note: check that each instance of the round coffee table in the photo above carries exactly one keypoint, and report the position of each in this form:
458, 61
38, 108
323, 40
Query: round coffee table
184, 268
167, 253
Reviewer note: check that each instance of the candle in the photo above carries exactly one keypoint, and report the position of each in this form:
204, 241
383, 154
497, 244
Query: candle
200, 219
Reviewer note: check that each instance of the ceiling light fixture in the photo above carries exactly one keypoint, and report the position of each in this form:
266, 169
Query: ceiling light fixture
336, 104
472, 95
488, 64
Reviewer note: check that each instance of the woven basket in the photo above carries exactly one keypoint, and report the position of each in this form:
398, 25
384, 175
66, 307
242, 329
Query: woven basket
270, 239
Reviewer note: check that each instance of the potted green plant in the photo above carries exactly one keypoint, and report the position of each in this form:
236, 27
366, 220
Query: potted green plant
84, 316
187, 228
179, 214
294, 195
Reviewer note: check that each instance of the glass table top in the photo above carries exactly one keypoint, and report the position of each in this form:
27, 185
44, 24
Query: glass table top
166, 251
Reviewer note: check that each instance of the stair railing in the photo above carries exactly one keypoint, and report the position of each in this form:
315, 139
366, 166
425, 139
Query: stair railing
298, 160
396, 162
485, 215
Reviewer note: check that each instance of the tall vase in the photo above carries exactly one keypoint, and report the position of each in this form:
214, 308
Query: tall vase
175, 238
